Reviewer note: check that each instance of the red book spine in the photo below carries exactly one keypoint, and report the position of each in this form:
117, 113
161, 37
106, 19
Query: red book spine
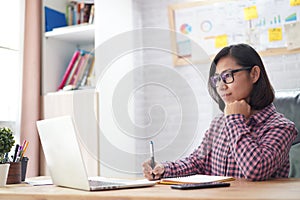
69, 69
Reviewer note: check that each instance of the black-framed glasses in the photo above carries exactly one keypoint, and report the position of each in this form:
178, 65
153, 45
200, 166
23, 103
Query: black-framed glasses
226, 76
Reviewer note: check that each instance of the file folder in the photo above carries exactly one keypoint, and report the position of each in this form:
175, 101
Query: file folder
54, 19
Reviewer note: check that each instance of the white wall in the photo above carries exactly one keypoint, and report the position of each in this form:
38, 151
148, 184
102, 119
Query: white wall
112, 19
283, 71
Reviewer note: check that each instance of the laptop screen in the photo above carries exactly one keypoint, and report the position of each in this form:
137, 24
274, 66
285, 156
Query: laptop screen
62, 152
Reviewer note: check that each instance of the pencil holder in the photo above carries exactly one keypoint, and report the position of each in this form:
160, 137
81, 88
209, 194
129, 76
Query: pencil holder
14, 173
24, 162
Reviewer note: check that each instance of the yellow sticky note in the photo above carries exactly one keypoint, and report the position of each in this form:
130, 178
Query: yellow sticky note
221, 41
250, 13
275, 34
294, 2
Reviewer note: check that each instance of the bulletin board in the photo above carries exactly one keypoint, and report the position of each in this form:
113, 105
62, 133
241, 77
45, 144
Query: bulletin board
267, 25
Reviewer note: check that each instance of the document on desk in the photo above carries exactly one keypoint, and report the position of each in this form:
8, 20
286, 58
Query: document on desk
39, 181
199, 178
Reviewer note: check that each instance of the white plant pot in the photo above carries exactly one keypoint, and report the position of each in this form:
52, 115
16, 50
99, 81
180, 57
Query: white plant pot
3, 173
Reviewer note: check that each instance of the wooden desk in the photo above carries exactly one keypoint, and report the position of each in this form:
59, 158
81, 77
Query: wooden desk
239, 189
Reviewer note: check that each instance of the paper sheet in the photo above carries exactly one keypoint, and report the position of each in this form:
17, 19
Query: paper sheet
292, 35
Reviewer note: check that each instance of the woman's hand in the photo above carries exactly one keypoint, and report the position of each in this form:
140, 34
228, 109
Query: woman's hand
238, 107
152, 174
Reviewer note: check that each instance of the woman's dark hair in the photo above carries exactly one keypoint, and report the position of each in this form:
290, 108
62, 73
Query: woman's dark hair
262, 93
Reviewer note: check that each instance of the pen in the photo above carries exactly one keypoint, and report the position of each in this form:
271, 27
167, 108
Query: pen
23, 145
24, 149
152, 157
6, 157
16, 151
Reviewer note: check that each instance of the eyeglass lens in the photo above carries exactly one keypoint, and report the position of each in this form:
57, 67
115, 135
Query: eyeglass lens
226, 76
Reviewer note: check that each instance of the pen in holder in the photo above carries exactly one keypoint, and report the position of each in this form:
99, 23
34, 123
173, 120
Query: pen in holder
24, 163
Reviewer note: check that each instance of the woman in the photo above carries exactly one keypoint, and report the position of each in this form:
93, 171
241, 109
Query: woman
250, 139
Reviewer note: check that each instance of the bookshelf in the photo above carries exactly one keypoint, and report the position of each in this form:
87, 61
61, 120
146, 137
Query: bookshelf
58, 47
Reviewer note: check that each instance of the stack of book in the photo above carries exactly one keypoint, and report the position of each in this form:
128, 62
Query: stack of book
79, 70
79, 12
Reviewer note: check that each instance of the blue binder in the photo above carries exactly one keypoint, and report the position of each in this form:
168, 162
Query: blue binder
54, 19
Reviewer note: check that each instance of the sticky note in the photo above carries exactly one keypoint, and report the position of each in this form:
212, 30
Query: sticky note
294, 2
221, 41
275, 34
250, 13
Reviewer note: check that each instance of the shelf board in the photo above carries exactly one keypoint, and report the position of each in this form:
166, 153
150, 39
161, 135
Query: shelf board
79, 34
71, 92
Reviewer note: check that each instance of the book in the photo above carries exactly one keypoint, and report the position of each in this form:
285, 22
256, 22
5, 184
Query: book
82, 82
86, 12
198, 178
90, 80
91, 17
69, 69
69, 13
81, 68
74, 69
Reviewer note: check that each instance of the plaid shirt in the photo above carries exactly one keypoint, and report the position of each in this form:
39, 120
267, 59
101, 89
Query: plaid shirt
255, 149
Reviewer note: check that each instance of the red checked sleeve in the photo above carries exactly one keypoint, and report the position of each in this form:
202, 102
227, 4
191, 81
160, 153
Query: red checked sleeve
259, 153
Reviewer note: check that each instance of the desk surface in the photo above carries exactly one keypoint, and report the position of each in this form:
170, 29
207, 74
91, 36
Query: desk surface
239, 189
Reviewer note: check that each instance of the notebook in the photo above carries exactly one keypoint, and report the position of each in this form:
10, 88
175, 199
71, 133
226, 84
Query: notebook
198, 178
65, 161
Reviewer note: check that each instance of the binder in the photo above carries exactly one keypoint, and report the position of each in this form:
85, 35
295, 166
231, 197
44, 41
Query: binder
54, 19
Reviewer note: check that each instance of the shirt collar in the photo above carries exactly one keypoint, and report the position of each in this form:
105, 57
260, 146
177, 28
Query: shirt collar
262, 115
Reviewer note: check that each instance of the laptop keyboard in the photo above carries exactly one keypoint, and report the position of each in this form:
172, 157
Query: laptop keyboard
96, 183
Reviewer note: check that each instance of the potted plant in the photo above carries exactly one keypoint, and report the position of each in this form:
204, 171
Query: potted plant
7, 141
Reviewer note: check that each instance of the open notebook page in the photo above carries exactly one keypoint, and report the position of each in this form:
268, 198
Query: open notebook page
195, 179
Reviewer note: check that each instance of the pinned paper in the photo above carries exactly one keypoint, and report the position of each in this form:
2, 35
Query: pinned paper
250, 13
292, 31
275, 34
294, 2
221, 41
184, 48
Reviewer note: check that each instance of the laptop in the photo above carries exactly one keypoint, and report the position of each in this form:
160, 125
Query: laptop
65, 161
